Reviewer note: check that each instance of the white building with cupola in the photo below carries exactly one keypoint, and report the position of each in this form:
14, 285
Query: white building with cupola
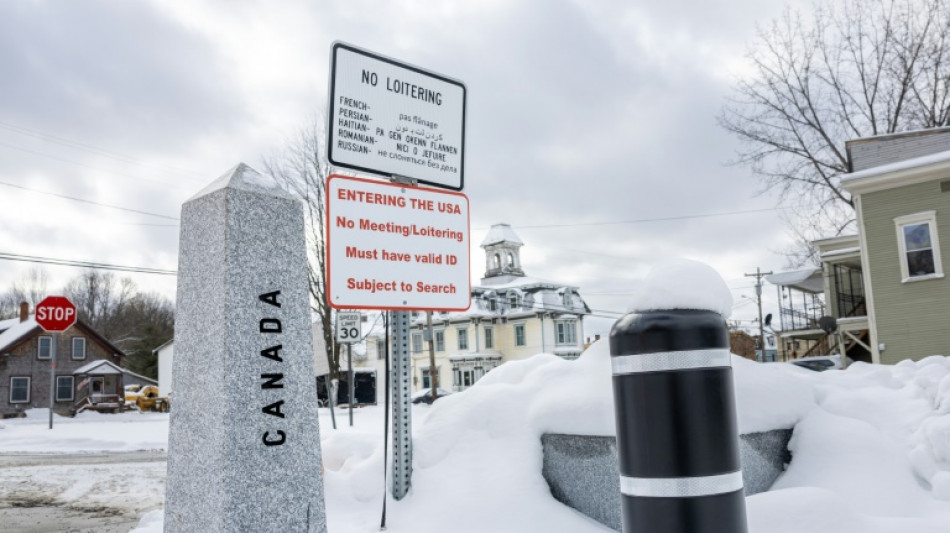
512, 316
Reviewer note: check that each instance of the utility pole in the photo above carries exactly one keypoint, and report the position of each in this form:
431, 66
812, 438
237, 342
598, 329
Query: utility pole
758, 301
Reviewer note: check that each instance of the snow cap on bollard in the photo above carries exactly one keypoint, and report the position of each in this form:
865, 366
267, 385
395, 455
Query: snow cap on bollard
677, 434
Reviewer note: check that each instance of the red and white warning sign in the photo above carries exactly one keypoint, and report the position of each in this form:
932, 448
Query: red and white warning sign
392, 246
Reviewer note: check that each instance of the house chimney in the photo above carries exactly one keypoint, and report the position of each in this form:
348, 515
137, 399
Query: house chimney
24, 311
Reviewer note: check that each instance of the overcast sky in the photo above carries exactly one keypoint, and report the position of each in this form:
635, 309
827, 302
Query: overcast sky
581, 115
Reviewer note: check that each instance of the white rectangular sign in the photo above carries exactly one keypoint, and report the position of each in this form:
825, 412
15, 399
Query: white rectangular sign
348, 326
391, 246
390, 118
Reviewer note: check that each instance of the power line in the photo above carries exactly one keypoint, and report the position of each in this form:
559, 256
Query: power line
92, 149
84, 264
641, 220
83, 200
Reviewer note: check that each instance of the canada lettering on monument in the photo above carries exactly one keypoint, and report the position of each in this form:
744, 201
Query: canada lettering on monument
272, 381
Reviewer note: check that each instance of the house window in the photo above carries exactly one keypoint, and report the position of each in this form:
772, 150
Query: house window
79, 347
489, 337
513, 300
440, 341
64, 388
567, 332
20, 390
496, 261
491, 304
426, 384
417, 342
463, 338
44, 347
510, 259
917, 240
519, 335
464, 379
568, 299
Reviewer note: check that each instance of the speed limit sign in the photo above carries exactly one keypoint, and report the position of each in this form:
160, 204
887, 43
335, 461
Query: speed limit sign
348, 327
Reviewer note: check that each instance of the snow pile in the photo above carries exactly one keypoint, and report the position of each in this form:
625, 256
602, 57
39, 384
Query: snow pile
88, 431
773, 396
683, 284
871, 445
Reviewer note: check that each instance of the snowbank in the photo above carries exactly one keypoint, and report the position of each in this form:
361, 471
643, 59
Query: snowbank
88, 431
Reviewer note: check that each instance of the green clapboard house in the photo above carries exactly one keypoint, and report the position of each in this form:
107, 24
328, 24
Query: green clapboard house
886, 286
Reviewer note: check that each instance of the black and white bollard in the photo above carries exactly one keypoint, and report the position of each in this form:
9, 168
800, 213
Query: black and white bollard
677, 436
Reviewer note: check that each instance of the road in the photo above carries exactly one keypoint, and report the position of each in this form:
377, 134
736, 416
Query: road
79, 492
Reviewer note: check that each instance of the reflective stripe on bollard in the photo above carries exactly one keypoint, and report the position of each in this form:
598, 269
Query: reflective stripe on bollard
677, 436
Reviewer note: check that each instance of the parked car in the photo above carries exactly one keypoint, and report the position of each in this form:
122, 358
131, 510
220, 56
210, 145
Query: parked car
819, 363
425, 396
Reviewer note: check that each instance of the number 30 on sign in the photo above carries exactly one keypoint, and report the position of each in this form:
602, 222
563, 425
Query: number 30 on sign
348, 325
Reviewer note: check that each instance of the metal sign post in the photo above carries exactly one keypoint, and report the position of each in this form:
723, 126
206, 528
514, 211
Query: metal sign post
402, 404
55, 314
399, 247
348, 326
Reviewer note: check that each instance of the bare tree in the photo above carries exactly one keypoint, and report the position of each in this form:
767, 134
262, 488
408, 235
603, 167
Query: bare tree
853, 69
31, 287
301, 168
100, 299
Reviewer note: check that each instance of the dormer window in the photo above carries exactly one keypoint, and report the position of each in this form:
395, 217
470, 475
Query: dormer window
568, 298
513, 300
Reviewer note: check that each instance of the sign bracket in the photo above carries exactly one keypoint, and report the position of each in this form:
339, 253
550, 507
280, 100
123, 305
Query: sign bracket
404, 180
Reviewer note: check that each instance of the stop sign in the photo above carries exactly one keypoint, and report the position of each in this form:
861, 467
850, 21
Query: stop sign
55, 313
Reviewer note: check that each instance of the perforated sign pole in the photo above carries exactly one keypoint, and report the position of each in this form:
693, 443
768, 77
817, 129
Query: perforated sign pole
348, 331
402, 423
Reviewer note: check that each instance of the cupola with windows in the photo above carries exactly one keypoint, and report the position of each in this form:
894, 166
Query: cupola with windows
502, 253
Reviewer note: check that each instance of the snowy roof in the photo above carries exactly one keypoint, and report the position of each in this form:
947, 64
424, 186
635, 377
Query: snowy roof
473, 356
525, 283
15, 331
842, 251
922, 161
808, 279
501, 233
100, 367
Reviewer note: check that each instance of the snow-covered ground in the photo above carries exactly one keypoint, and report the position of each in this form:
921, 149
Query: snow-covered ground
871, 445
871, 451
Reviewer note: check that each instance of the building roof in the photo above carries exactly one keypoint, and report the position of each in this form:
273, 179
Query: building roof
103, 367
905, 172
17, 331
14, 330
807, 279
501, 233
99, 367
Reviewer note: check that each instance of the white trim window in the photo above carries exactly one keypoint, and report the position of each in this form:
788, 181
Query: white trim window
463, 338
417, 342
65, 385
20, 389
566, 332
489, 337
440, 341
426, 384
919, 247
520, 339
44, 346
79, 348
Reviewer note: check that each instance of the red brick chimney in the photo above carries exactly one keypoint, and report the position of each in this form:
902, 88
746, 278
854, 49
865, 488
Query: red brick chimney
24, 311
